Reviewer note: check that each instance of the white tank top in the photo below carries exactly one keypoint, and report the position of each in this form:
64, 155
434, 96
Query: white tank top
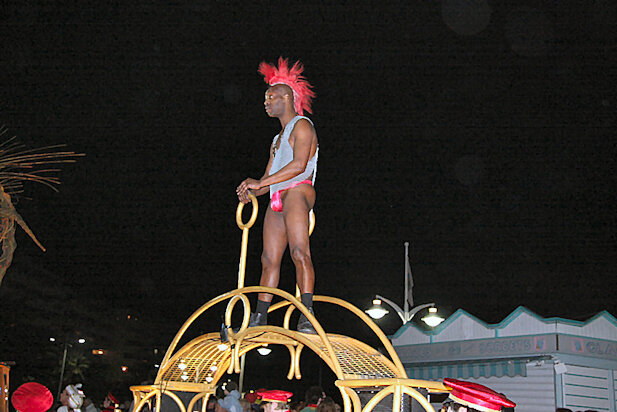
284, 154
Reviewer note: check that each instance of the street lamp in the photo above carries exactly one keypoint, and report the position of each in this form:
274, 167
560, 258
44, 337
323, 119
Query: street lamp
377, 311
264, 350
432, 319
66, 347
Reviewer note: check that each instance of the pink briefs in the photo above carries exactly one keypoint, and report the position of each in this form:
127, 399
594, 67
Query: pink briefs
276, 203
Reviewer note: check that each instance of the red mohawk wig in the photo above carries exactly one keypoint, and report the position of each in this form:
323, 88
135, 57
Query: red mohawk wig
292, 78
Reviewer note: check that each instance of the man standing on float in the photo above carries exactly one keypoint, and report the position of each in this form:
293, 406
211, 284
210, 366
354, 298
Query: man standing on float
289, 177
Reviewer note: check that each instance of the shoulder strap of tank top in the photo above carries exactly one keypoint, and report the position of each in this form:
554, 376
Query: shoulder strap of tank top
289, 128
298, 117
295, 120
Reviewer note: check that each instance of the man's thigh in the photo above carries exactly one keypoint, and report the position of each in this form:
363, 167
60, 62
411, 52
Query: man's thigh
296, 209
274, 234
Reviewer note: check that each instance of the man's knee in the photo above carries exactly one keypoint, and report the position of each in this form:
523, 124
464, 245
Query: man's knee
300, 256
268, 262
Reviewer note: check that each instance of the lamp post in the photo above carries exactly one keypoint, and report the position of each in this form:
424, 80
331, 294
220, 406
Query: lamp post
406, 314
378, 312
66, 347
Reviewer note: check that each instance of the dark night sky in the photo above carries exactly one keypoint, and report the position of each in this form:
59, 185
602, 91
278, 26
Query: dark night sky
480, 131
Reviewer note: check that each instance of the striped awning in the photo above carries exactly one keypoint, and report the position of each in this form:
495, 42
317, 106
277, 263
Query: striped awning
468, 369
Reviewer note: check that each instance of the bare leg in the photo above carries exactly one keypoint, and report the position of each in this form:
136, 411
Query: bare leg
297, 203
275, 243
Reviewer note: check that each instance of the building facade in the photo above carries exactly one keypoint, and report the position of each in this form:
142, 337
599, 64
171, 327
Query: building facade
539, 363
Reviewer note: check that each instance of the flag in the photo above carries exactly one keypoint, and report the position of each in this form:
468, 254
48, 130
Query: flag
408, 279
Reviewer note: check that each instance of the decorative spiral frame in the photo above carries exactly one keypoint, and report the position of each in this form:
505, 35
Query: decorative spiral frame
198, 366
355, 364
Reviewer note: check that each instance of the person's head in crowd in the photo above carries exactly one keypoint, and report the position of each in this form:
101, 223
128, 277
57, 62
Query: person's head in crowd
110, 401
32, 397
251, 396
211, 405
296, 406
326, 405
314, 395
229, 386
219, 393
274, 400
246, 405
72, 398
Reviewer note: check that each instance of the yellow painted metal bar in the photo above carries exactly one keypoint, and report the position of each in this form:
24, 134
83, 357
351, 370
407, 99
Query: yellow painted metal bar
245, 235
292, 357
196, 398
157, 407
413, 383
378, 397
145, 399
396, 398
139, 391
355, 400
175, 398
382, 337
311, 222
345, 397
329, 357
288, 300
289, 310
297, 361
401, 389
201, 310
229, 310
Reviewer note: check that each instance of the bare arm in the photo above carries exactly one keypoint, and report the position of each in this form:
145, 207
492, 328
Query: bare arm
301, 139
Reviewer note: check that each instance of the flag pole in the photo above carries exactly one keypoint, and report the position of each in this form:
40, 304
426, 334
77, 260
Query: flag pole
406, 303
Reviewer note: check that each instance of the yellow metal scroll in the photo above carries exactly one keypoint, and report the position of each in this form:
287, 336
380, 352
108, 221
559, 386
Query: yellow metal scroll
198, 366
245, 235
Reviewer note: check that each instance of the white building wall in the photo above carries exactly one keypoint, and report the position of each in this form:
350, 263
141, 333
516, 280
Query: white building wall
615, 390
586, 388
532, 393
526, 324
600, 328
462, 328
411, 336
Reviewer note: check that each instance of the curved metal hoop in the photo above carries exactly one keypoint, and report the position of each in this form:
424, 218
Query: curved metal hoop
253, 218
254, 213
311, 222
158, 394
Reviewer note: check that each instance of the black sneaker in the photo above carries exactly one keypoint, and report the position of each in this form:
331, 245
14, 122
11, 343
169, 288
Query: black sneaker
258, 319
304, 325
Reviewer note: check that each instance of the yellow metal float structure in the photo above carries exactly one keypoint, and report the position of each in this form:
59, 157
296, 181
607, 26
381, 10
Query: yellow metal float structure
198, 366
